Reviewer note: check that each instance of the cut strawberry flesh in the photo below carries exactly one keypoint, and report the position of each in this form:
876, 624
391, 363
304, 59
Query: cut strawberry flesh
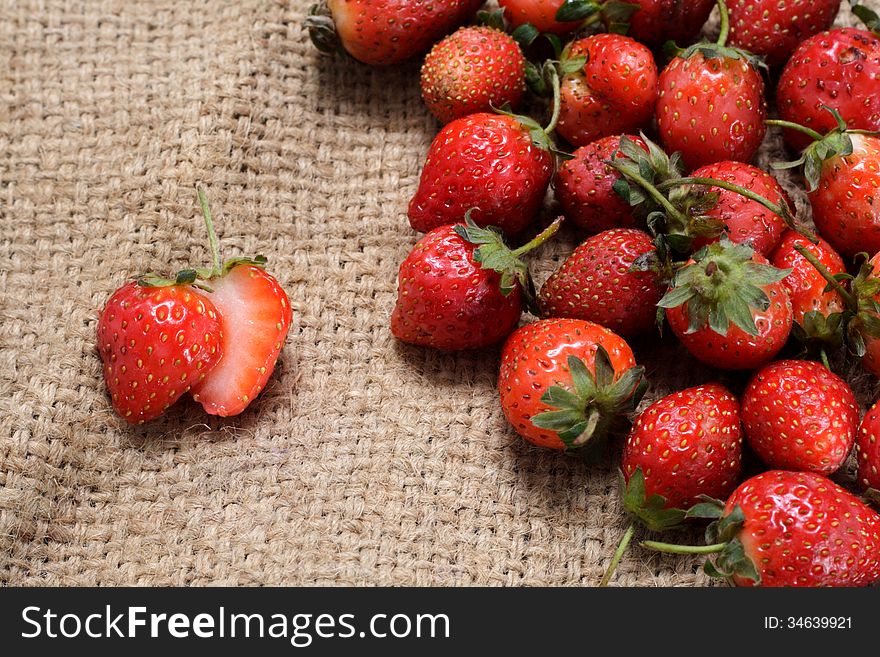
255, 316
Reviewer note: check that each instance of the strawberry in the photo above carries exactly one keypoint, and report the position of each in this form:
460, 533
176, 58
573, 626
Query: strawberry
215, 332
462, 288
498, 165
567, 384
585, 187
711, 104
384, 32
868, 449
609, 86
540, 14
838, 69
728, 307
798, 415
473, 70
785, 528
744, 219
657, 21
599, 284
773, 29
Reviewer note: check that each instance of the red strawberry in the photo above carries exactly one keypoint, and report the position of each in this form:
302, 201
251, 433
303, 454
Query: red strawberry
161, 338
745, 220
791, 529
798, 415
839, 69
868, 449
473, 70
540, 14
774, 28
156, 342
729, 308
806, 286
597, 283
461, 288
585, 187
486, 162
657, 21
711, 105
609, 86
566, 384
383, 32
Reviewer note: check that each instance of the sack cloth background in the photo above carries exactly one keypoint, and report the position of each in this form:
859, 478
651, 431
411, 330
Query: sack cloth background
364, 461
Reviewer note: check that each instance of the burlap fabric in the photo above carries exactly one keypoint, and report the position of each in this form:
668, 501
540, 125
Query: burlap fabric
365, 461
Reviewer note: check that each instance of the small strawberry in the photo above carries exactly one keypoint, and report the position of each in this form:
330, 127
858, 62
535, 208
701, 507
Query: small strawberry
711, 104
499, 165
379, 32
567, 384
609, 86
462, 288
599, 284
475, 69
729, 307
785, 528
682, 448
798, 415
657, 21
838, 69
541, 15
868, 449
773, 29
214, 332
585, 187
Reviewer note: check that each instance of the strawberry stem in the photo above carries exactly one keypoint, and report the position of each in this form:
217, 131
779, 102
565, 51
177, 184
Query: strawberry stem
618, 554
212, 235
669, 548
542, 237
848, 298
725, 23
557, 100
812, 134
654, 192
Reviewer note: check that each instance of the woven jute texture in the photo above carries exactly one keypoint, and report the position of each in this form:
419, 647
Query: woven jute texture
364, 461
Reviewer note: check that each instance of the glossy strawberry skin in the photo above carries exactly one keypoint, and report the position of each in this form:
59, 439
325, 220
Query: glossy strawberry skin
798, 415
484, 161
868, 449
802, 529
738, 350
156, 343
585, 188
473, 70
773, 29
384, 32
839, 68
659, 21
446, 300
805, 285
711, 109
687, 444
846, 205
614, 93
746, 220
535, 357
595, 283
539, 13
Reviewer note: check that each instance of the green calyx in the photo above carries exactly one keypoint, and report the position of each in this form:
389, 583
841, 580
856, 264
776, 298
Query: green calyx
868, 16
595, 407
864, 323
546, 77
201, 276
492, 253
722, 539
723, 286
322, 30
719, 49
652, 511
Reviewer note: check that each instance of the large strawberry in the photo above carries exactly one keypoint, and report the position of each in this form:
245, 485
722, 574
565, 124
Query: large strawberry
655, 22
216, 332
462, 288
784, 528
838, 69
868, 449
567, 384
498, 165
598, 283
729, 307
798, 415
609, 87
711, 104
383, 32
774, 28
476, 69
